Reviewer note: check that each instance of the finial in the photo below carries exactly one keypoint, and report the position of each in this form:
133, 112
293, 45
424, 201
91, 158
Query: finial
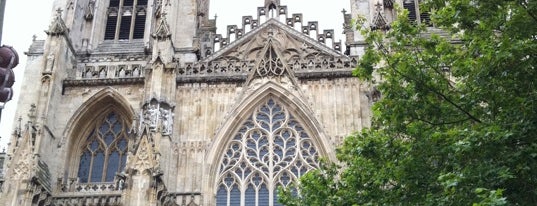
344, 11
59, 12
31, 113
34, 37
379, 6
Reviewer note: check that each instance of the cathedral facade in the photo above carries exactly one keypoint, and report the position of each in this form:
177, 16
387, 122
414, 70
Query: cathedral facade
141, 102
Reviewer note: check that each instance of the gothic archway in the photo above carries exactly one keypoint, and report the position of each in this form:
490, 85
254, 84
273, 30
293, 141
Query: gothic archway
98, 137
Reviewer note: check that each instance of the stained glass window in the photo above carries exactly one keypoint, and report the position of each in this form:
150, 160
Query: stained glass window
270, 149
104, 151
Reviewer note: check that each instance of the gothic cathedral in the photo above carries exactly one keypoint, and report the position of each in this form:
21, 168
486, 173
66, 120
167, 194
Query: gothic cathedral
142, 103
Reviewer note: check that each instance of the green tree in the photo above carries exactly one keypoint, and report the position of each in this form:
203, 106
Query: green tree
457, 121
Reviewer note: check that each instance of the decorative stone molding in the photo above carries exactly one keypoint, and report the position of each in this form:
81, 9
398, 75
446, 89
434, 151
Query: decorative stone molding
102, 82
104, 71
188, 147
111, 198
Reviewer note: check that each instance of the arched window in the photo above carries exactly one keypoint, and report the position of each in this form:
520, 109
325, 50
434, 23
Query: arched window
270, 149
104, 151
126, 19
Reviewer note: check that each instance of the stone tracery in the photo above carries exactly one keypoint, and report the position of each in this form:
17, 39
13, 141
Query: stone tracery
270, 149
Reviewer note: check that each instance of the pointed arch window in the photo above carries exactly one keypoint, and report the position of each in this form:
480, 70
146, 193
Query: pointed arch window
104, 151
270, 149
126, 20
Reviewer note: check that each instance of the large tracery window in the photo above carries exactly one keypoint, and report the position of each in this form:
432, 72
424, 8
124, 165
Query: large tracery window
126, 20
104, 151
270, 149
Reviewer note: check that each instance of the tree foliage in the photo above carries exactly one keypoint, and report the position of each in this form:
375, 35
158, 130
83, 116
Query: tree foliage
457, 121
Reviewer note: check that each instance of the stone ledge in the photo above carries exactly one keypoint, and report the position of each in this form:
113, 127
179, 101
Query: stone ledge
102, 82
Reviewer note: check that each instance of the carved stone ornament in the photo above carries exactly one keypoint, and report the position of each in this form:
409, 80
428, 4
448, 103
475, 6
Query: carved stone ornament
379, 22
271, 64
157, 115
23, 167
143, 156
58, 26
286, 39
158, 9
90, 10
163, 30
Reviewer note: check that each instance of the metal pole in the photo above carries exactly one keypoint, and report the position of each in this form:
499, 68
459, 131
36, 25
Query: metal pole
1, 107
2, 9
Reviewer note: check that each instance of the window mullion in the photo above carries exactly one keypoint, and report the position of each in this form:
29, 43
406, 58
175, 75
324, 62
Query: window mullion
133, 19
229, 195
91, 166
105, 164
270, 184
119, 17
418, 12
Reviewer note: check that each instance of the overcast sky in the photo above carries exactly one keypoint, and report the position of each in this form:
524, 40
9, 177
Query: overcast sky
25, 18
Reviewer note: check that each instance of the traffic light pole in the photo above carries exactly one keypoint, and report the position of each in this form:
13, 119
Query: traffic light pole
1, 107
2, 10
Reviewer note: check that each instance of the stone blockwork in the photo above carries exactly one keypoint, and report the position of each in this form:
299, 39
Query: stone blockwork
140, 102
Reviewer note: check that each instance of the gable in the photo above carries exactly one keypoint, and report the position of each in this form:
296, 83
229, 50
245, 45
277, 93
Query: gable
290, 42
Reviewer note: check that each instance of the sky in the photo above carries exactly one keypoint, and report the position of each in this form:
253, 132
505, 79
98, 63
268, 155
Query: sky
25, 18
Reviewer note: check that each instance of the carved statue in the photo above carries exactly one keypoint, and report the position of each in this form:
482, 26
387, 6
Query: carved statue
151, 116
50, 63
136, 72
167, 121
122, 73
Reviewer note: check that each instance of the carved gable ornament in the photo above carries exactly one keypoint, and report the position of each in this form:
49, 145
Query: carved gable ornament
290, 42
270, 64
143, 157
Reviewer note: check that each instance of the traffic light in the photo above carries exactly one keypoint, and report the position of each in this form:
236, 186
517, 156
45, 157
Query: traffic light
8, 60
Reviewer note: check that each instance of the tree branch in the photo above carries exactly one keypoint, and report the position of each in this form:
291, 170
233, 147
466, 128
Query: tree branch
470, 116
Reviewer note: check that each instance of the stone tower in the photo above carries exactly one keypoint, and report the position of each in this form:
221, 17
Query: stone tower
141, 102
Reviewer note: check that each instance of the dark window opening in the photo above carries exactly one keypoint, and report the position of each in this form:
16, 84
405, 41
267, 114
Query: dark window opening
411, 7
128, 2
425, 18
110, 30
130, 23
114, 3
139, 27
142, 2
125, 28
